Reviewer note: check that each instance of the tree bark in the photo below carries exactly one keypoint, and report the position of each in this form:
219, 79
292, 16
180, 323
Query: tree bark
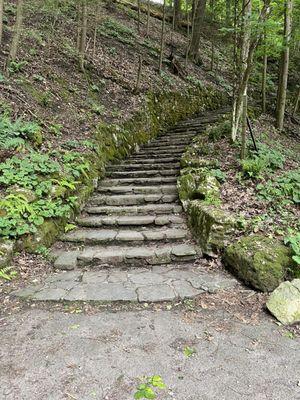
17, 33
1, 20
228, 13
162, 38
177, 13
281, 94
199, 12
244, 127
264, 78
296, 103
139, 15
148, 18
83, 35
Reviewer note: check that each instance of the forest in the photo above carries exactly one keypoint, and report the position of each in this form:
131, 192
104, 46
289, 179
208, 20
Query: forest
149, 160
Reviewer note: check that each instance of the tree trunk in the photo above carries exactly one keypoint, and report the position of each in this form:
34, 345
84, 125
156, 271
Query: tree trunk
1, 20
244, 128
199, 8
296, 103
79, 26
139, 75
177, 13
245, 48
162, 38
139, 15
83, 35
228, 13
148, 18
264, 79
281, 94
17, 33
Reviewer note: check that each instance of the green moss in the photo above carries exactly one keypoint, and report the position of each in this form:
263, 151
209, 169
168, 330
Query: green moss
259, 261
198, 183
212, 227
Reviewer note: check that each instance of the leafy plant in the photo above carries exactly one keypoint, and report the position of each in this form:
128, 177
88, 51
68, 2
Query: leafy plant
294, 243
189, 351
253, 168
218, 174
14, 134
7, 273
146, 390
17, 66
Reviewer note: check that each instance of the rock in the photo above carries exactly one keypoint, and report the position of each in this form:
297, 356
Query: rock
197, 183
259, 261
6, 252
27, 193
284, 302
212, 227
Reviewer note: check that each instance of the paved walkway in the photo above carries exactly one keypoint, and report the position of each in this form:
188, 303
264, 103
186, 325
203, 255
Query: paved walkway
132, 241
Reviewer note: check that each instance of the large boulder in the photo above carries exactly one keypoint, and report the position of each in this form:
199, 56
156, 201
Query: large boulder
6, 252
212, 227
284, 302
259, 261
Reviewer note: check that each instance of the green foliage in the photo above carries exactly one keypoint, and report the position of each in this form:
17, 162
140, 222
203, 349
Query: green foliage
284, 188
7, 273
13, 135
98, 109
194, 81
265, 161
294, 243
17, 66
189, 351
146, 390
216, 132
218, 174
113, 28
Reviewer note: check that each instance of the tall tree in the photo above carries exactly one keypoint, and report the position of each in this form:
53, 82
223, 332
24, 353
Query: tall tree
148, 18
199, 12
1, 20
284, 67
177, 13
162, 37
264, 74
246, 67
83, 34
16, 34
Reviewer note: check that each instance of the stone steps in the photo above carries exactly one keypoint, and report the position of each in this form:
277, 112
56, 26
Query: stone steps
146, 166
144, 173
132, 242
139, 181
159, 190
140, 256
132, 199
128, 236
135, 210
130, 220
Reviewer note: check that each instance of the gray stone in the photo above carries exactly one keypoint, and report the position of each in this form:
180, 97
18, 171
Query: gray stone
94, 277
6, 252
102, 292
139, 252
129, 236
184, 250
67, 260
185, 290
51, 294
64, 276
156, 293
176, 233
90, 236
154, 235
212, 283
146, 278
284, 302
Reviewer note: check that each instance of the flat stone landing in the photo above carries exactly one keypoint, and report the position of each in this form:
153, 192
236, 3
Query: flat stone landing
159, 284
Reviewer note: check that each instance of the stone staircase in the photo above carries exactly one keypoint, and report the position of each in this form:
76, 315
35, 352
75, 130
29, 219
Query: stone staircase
132, 242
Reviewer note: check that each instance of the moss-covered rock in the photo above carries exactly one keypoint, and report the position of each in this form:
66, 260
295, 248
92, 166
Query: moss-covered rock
284, 302
212, 227
198, 183
259, 261
6, 252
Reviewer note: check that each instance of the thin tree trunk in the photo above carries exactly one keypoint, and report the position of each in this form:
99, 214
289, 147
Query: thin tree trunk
96, 30
281, 98
264, 78
296, 103
1, 20
17, 34
162, 38
148, 18
139, 15
212, 56
83, 35
139, 75
177, 13
79, 26
244, 128
228, 12
188, 31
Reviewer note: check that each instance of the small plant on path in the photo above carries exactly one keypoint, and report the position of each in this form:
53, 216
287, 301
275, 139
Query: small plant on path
147, 389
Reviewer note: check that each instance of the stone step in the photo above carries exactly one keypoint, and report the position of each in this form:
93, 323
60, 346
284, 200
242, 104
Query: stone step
124, 236
132, 199
139, 181
167, 148
143, 167
142, 174
158, 283
164, 141
130, 220
167, 208
162, 189
142, 155
166, 160
159, 153
126, 256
